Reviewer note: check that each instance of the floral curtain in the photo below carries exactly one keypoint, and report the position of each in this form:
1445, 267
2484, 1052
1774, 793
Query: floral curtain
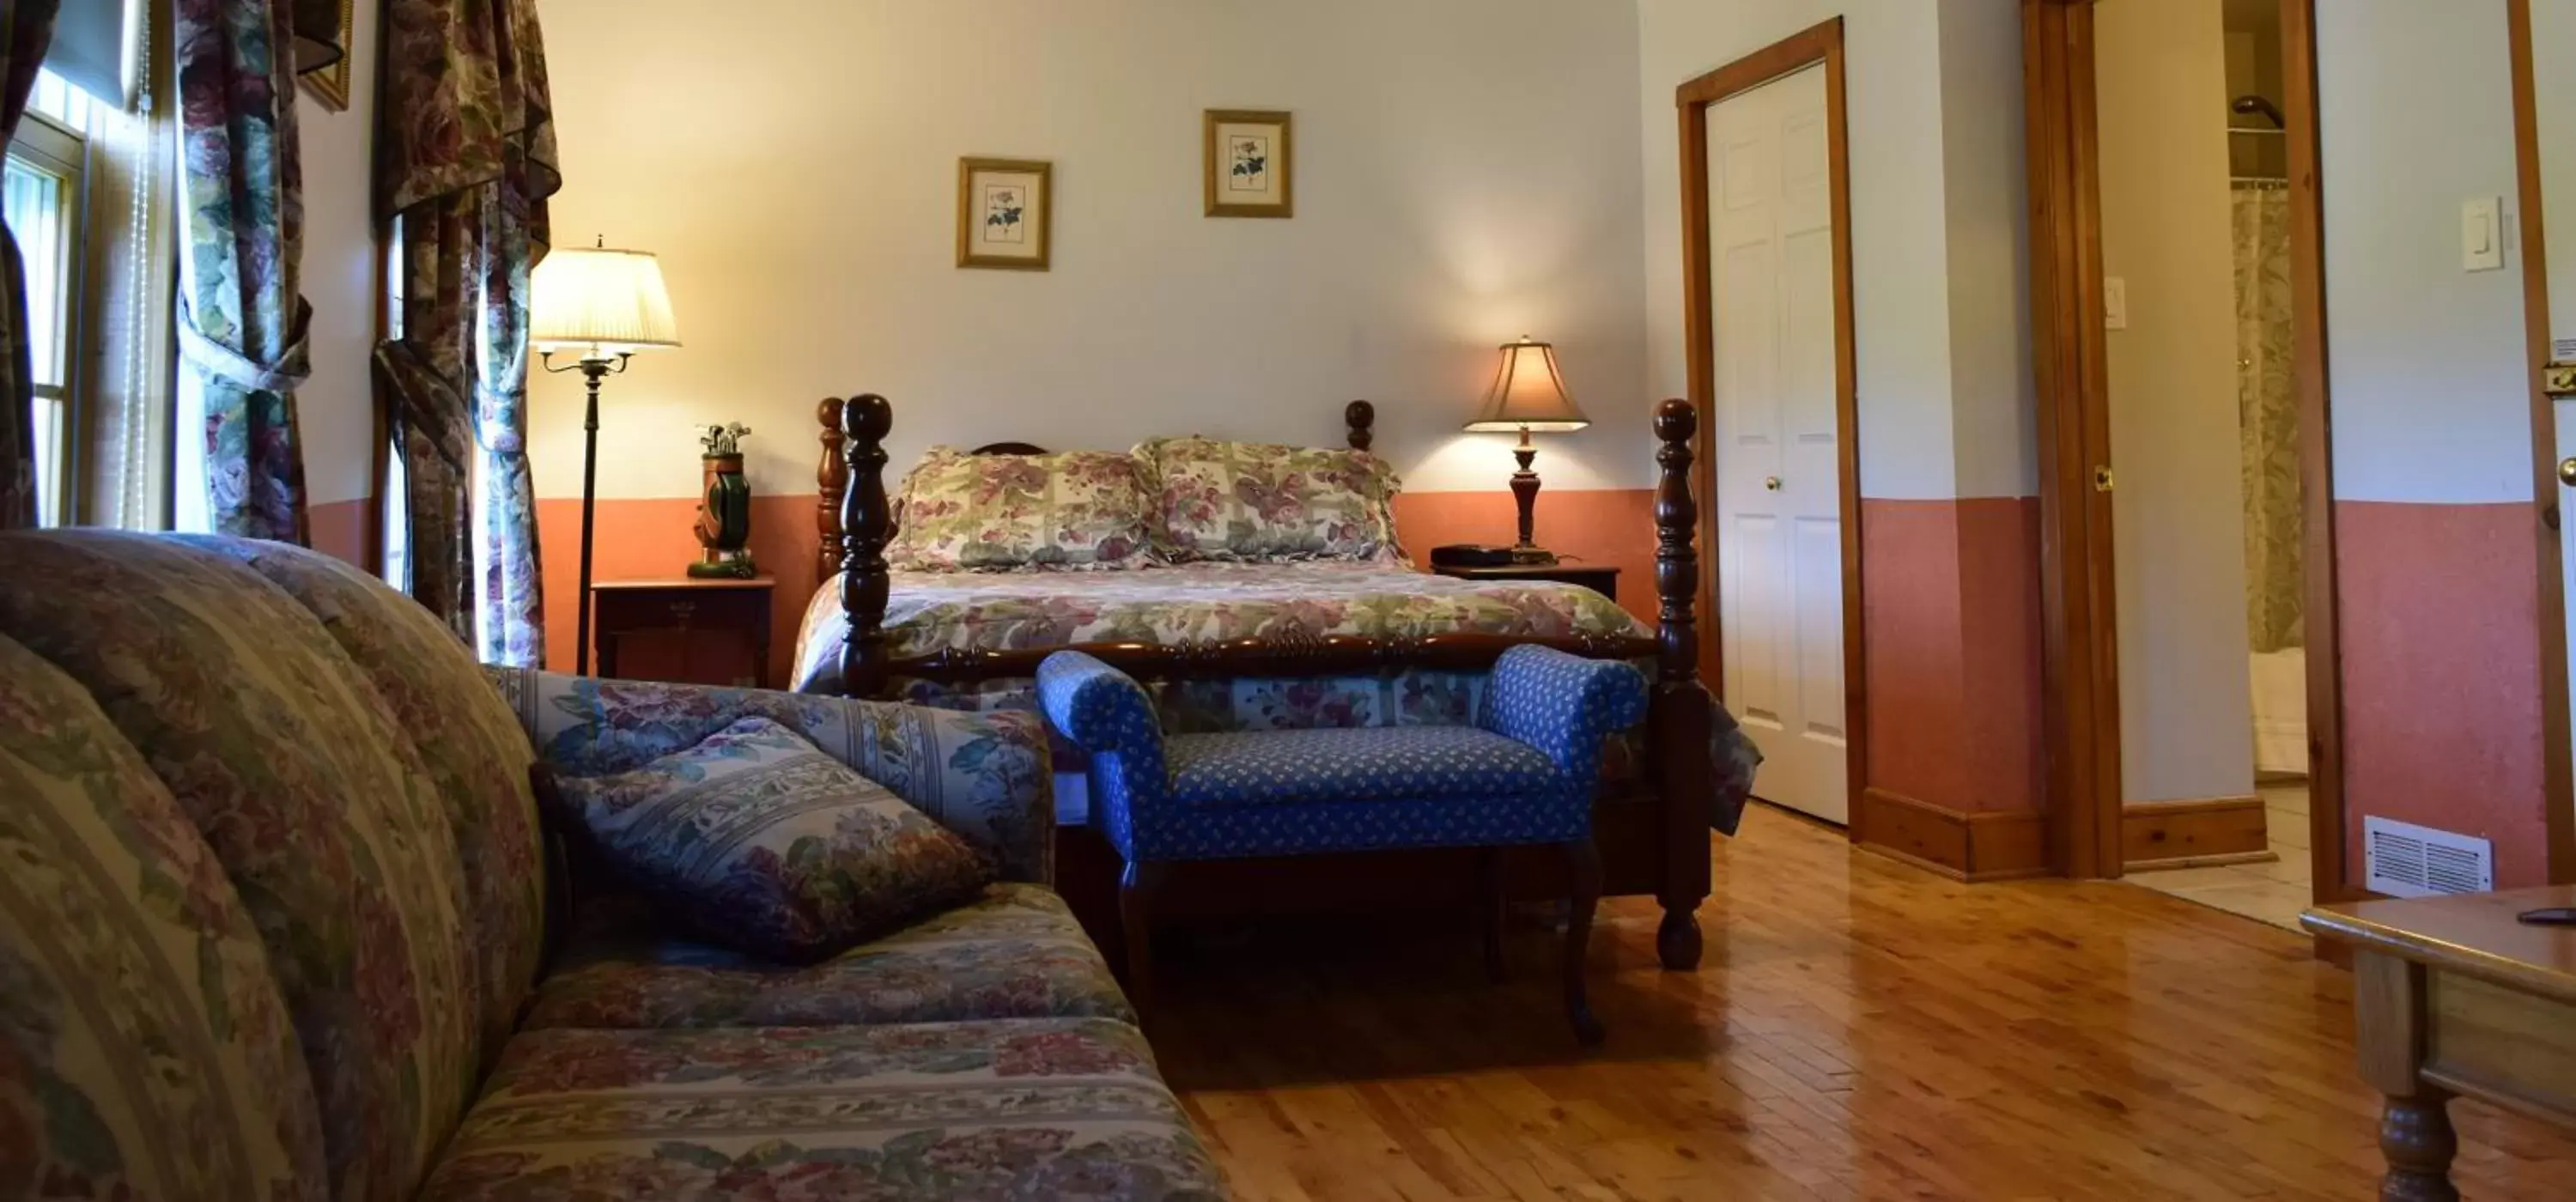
2268, 417
242, 320
26, 28
465, 162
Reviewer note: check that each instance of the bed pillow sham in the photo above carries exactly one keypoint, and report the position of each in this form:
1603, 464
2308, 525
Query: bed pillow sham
1254, 501
1075, 509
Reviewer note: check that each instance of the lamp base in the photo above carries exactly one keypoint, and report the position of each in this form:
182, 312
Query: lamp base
1526, 555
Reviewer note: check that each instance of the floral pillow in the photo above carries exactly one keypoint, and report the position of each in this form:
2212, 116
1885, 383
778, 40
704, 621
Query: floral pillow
1255, 501
1077, 509
760, 840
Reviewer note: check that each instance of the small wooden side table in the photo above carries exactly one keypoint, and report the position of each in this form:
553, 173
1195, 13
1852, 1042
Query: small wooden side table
2454, 997
1599, 578
696, 631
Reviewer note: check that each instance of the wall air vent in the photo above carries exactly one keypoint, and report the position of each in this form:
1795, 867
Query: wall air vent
2406, 860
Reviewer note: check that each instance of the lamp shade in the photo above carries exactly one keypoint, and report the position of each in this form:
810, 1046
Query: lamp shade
1528, 394
598, 299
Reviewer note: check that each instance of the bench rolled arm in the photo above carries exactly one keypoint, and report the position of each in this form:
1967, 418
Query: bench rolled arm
1106, 713
1563, 705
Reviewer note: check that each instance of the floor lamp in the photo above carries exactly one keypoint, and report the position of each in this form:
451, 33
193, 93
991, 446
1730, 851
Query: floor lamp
603, 305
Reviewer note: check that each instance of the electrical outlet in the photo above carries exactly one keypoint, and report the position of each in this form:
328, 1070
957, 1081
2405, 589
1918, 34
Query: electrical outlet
2115, 303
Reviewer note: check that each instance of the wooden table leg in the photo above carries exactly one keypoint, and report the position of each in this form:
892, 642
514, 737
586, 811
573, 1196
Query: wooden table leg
2415, 1135
2416, 1138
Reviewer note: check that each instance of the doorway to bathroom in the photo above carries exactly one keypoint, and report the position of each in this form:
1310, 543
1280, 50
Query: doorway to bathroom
2173, 257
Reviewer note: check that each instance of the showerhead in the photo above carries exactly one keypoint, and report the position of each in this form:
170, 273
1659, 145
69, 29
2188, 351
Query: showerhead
2249, 105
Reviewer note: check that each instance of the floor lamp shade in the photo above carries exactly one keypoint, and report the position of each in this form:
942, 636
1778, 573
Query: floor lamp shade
605, 304
601, 301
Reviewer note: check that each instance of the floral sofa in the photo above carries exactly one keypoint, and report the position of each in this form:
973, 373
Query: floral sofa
279, 921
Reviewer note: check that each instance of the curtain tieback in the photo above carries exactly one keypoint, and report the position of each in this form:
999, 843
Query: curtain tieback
231, 366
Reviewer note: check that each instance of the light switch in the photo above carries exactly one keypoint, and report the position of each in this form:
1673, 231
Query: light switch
2115, 303
2482, 234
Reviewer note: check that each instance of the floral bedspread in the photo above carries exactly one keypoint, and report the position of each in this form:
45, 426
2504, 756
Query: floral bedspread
1197, 602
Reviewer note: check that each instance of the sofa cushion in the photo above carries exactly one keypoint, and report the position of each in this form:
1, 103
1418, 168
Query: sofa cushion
474, 752
983, 776
1366, 763
1045, 1108
1072, 509
283, 754
761, 841
135, 1000
1016, 952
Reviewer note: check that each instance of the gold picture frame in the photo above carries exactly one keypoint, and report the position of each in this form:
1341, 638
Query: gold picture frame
1250, 163
330, 85
1005, 214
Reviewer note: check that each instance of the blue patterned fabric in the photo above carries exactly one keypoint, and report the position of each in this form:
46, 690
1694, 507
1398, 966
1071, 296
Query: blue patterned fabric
1564, 705
1525, 774
1370, 763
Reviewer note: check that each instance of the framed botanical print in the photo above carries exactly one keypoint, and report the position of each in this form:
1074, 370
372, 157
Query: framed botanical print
330, 84
1251, 164
1003, 209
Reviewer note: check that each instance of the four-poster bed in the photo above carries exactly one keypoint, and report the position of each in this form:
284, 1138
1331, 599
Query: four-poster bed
1651, 823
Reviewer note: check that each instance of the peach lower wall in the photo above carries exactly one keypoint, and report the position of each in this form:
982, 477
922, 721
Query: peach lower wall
1950, 626
339, 530
651, 537
2438, 618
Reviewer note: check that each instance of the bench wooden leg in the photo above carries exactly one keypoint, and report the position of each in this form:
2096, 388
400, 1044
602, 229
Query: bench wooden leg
1490, 909
1583, 870
1136, 888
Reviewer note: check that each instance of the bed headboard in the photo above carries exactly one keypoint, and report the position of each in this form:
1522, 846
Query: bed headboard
832, 476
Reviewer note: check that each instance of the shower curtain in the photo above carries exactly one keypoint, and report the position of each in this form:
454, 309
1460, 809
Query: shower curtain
2268, 416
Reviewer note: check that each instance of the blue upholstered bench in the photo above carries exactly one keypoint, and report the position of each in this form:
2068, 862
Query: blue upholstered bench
1524, 774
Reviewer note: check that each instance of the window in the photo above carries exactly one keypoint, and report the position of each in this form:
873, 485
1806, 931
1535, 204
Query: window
46, 189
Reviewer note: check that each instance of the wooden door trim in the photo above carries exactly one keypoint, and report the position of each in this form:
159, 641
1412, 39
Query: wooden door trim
1822, 43
2557, 774
2079, 655
2322, 613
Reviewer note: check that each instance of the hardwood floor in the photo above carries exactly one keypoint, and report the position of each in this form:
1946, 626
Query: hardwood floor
1859, 1029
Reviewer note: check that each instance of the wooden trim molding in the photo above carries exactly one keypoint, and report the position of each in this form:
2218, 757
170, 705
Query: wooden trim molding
2557, 774
2310, 375
1957, 844
2182, 834
2079, 640
1822, 43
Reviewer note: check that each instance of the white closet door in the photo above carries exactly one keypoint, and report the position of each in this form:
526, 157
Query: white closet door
1780, 602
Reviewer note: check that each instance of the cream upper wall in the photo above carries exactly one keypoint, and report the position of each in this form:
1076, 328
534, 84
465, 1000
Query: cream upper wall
335, 407
2160, 96
2415, 112
1933, 120
1466, 172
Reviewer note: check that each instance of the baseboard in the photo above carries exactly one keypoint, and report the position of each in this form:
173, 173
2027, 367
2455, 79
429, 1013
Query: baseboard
2176, 834
1955, 843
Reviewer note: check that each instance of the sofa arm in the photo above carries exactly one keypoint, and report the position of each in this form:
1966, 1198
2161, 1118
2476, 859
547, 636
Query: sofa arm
1564, 705
1106, 713
984, 776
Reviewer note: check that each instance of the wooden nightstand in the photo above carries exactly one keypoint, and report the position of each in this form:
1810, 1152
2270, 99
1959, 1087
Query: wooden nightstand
683, 630
1599, 578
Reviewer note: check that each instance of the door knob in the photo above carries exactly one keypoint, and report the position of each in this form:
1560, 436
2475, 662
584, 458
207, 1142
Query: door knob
2567, 471
1772, 483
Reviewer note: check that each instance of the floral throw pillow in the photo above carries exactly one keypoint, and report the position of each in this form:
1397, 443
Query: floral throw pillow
1077, 509
1255, 501
761, 841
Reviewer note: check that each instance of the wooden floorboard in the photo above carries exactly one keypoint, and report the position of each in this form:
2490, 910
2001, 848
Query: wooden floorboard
1859, 1029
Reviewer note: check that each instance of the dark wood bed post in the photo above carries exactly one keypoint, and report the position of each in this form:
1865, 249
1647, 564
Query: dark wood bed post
1680, 714
866, 523
831, 478
1361, 417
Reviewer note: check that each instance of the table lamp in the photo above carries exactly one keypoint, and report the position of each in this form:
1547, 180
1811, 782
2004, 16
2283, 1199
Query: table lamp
1527, 395
604, 305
